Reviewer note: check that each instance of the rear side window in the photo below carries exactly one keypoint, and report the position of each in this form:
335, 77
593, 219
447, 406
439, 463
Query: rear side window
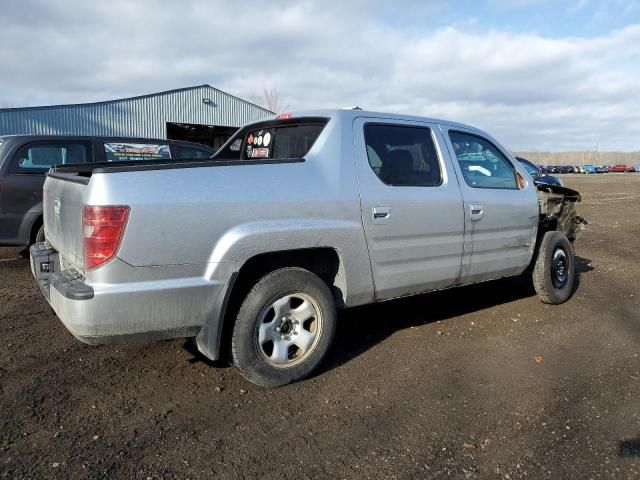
482, 164
135, 152
39, 157
402, 156
273, 140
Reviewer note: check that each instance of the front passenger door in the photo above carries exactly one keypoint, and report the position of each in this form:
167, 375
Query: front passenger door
500, 208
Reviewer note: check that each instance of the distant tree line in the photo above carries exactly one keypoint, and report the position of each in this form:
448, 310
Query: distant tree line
582, 158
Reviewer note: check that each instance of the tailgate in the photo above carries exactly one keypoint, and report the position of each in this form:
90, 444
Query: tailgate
63, 195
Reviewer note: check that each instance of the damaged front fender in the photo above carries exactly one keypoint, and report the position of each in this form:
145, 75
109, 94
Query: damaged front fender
558, 210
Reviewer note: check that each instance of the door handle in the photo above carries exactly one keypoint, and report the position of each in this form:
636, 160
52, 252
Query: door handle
380, 214
476, 211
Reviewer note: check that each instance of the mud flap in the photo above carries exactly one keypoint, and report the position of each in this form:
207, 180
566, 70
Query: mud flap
208, 340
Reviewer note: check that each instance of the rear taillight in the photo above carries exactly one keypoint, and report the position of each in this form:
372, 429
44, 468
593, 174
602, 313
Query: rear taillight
103, 228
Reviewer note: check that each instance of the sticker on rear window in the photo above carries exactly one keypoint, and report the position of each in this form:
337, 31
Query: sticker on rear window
128, 152
235, 146
258, 143
260, 152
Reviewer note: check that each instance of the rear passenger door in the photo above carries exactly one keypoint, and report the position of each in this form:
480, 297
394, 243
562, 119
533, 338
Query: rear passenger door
411, 206
500, 207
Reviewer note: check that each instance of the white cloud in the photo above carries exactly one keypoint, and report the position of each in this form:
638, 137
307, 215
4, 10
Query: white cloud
530, 91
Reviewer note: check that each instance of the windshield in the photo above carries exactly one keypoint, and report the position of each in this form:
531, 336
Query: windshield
273, 140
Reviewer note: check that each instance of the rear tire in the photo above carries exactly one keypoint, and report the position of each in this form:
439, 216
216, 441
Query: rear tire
554, 269
284, 327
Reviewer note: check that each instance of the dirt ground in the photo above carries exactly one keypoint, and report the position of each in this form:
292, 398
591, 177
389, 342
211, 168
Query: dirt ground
478, 382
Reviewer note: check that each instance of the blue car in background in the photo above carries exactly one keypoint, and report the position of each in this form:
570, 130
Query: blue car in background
590, 168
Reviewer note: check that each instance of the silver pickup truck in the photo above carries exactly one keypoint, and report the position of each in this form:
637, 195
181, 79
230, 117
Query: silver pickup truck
254, 250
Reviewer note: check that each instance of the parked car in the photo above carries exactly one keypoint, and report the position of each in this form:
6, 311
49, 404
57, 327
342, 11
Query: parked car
602, 169
254, 250
24, 160
618, 168
589, 168
537, 175
636, 168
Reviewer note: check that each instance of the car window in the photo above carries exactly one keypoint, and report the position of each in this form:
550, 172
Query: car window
135, 152
482, 164
40, 156
182, 151
273, 140
402, 155
529, 167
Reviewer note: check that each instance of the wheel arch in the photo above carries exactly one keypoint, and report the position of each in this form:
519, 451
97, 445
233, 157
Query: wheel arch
326, 262
35, 227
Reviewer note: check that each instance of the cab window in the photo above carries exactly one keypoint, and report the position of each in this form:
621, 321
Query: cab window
40, 156
402, 155
274, 140
482, 164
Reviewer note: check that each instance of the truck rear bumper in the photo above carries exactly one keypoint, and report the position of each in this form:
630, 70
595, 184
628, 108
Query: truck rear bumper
136, 311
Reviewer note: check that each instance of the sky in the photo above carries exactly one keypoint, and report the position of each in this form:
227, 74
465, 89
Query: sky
546, 75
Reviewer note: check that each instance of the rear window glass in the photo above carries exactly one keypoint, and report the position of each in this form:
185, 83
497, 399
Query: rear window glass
273, 141
191, 152
135, 152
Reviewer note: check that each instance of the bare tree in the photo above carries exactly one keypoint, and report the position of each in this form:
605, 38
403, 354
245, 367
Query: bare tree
269, 97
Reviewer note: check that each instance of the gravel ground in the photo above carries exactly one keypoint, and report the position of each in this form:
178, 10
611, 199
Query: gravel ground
478, 382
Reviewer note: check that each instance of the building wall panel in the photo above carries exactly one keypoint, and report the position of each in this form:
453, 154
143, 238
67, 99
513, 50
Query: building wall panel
144, 116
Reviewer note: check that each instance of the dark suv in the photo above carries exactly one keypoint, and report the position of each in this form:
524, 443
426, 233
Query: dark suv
24, 160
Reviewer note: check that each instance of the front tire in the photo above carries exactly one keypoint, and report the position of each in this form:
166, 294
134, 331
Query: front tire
284, 327
554, 269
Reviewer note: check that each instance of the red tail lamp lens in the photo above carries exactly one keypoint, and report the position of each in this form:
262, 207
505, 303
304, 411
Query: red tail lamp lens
103, 228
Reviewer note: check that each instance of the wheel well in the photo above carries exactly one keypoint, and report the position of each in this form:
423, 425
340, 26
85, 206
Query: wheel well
324, 262
545, 225
34, 229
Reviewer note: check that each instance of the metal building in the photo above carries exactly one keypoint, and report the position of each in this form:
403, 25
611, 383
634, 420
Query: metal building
202, 114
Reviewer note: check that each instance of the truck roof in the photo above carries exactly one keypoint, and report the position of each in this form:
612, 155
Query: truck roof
351, 113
